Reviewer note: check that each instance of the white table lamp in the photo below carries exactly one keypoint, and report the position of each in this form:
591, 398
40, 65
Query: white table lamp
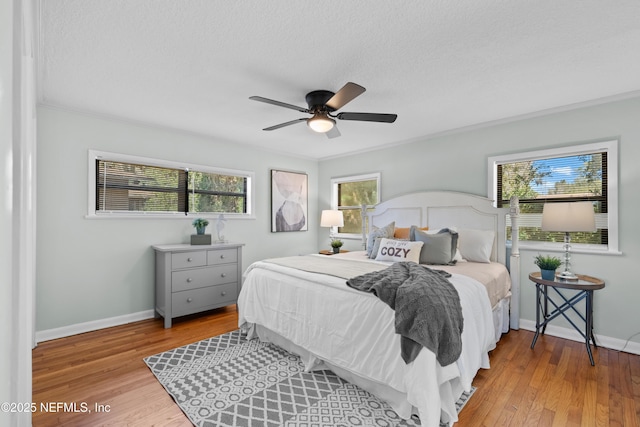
332, 218
568, 217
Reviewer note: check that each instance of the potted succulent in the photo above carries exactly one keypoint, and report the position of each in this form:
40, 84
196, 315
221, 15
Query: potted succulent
336, 244
548, 265
200, 224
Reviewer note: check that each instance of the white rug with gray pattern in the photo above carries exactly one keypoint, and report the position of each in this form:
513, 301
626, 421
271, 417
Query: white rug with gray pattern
229, 381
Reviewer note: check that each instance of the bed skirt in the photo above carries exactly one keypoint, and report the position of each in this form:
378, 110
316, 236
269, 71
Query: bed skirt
501, 316
450, 391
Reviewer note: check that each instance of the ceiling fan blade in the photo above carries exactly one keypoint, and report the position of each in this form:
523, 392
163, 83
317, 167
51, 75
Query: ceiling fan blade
345, 95
279, 104
368, 117
281, 125
333, 132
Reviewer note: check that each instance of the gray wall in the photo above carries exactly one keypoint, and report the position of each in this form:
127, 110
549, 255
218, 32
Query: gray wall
97, 269
94, 269
458, 162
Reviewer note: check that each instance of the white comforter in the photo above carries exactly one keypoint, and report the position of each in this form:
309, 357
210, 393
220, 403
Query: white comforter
354, 331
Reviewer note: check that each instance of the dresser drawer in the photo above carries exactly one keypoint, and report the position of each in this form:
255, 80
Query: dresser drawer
202, 277
222, 256
188, 259
195, 300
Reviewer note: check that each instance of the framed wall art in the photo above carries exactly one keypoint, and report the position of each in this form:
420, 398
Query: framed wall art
289, 201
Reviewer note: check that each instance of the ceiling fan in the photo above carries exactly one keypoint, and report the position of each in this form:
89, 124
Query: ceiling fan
322, 104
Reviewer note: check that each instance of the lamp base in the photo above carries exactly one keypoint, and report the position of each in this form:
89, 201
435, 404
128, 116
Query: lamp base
567, 275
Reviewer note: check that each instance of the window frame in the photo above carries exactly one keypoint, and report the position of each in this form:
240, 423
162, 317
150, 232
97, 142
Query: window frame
608, 146
335, 182
92, 213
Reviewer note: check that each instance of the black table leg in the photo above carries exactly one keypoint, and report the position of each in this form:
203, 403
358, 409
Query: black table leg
546, 309
589, 326
538, 308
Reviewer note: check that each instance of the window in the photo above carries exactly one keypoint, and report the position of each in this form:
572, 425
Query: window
348, 194
128, 185
579, 173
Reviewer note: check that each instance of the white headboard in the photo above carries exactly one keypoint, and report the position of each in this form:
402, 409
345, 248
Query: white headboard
440, 209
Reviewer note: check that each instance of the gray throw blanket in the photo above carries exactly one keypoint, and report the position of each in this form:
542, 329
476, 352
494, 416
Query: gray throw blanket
427, 308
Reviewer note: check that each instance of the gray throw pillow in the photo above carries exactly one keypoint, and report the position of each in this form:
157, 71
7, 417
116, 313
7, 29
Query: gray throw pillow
438, 248
376, 247
386, 231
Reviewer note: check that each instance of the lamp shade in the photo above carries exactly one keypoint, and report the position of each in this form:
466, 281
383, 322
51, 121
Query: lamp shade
567, 217
331, 218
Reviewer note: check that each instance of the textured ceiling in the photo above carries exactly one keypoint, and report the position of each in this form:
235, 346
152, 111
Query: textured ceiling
440, 65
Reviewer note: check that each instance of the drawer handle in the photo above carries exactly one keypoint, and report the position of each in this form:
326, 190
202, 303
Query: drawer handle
223, 293
189, 259
189, 280
222, 256
223, 275
189, 299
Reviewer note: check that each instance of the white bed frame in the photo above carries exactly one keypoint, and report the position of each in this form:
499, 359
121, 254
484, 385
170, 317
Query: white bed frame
440, 209
421, 386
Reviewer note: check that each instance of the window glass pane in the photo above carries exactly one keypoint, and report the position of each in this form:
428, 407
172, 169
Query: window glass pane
209, 192
122, 186
217, 183
574, 177
349, 196
358, 193
133, 187
555, 179
536, 234
215, 203
352, 221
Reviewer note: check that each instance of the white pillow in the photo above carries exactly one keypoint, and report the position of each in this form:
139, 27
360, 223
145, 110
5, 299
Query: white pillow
475, 245
399, 250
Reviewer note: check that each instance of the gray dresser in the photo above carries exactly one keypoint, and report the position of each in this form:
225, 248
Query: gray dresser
195, 278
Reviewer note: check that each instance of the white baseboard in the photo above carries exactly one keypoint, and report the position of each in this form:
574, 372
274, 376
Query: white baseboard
573, 335
94, 325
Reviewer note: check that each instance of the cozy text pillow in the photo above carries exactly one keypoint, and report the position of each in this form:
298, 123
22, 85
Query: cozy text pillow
399, 250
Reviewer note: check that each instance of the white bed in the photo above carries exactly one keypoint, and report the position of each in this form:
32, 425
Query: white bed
352, 333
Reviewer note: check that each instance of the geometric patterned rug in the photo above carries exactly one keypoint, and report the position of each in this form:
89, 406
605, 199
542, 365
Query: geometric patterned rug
229, 381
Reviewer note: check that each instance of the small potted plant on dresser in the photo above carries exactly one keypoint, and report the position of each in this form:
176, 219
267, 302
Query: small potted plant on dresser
336, 244
200, 238
548, 265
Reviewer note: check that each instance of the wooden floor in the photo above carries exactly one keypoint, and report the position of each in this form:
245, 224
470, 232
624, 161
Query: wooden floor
554, 384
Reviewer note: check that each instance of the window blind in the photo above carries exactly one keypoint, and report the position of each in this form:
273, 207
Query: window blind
556, 179
139, 188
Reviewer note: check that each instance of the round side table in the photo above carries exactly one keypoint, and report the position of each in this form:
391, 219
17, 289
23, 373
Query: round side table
584, 285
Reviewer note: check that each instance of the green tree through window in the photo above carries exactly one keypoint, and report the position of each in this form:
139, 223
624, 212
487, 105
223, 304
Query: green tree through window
217, 193
350, 193
555, 179
133, 187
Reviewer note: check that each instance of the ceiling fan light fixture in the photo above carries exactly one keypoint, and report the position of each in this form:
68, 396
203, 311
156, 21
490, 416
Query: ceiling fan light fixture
322, 103
321, 123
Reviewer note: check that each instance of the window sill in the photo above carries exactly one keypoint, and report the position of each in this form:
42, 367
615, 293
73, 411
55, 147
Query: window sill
347, 236
576, 248
177, 215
